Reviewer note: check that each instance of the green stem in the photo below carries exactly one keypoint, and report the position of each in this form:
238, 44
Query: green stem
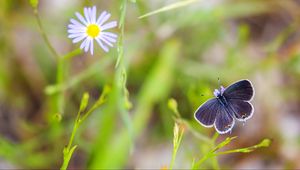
72, 54
68, 151
197, 164
60, 76
44, 36
94, 107
75, 127
60, 80
123, 103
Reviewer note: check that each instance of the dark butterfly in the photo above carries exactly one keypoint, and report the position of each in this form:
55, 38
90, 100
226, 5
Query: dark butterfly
229, 104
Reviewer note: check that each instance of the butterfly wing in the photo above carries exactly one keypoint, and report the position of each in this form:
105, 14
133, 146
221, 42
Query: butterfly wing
224, 121
238, 96
241, 90
242, 110
206, 113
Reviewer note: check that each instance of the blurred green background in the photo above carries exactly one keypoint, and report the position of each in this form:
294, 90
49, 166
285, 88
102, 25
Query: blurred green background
179, 53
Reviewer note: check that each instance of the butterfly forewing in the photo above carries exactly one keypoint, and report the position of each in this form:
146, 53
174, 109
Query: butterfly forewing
206, 113
241, 90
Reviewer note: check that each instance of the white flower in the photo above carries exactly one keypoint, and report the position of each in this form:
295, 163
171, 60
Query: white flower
91, 28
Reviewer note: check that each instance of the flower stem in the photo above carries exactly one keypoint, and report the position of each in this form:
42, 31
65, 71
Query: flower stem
69, 149
44, 35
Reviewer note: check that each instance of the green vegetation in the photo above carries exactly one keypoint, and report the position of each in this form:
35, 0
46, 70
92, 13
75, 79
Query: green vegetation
136, 103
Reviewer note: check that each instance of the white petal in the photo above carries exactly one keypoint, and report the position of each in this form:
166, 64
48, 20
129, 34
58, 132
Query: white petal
87, 15
75, 35
92, 47
83, 44
80, 17
106, 42
109, 25
90, 14
105, 18
101, 17
113, 40
94, 13
76, 31
102, 45
75, 22
77, 39
86, 48
73, 26
112, 35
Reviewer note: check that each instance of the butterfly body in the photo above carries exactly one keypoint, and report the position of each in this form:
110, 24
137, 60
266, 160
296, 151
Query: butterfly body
222, 100
230, 104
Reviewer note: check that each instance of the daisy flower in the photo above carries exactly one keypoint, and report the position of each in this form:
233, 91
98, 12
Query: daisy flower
90, 28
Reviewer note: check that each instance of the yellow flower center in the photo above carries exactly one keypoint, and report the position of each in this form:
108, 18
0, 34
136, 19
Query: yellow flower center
93, 30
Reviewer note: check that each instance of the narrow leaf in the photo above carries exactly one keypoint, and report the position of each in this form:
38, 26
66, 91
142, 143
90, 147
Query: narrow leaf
169, 7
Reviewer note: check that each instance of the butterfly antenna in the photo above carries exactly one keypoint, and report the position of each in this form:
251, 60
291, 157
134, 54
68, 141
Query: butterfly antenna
219, 81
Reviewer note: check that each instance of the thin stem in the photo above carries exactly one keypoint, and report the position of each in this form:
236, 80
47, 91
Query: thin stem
60, 62
60, 80
94, 107
51, 48
75, 127
72, 54
68, 151
121, 36
197, 164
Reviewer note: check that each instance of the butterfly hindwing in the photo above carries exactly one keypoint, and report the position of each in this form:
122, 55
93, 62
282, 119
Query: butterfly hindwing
241, 90
206, 113
242, 110
224, 121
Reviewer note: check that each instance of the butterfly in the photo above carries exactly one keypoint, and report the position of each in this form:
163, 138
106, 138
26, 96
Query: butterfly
230, 104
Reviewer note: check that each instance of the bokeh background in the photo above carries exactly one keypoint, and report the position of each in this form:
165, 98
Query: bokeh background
177, 54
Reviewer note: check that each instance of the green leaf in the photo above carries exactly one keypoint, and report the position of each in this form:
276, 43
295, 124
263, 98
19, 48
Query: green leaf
169, 7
